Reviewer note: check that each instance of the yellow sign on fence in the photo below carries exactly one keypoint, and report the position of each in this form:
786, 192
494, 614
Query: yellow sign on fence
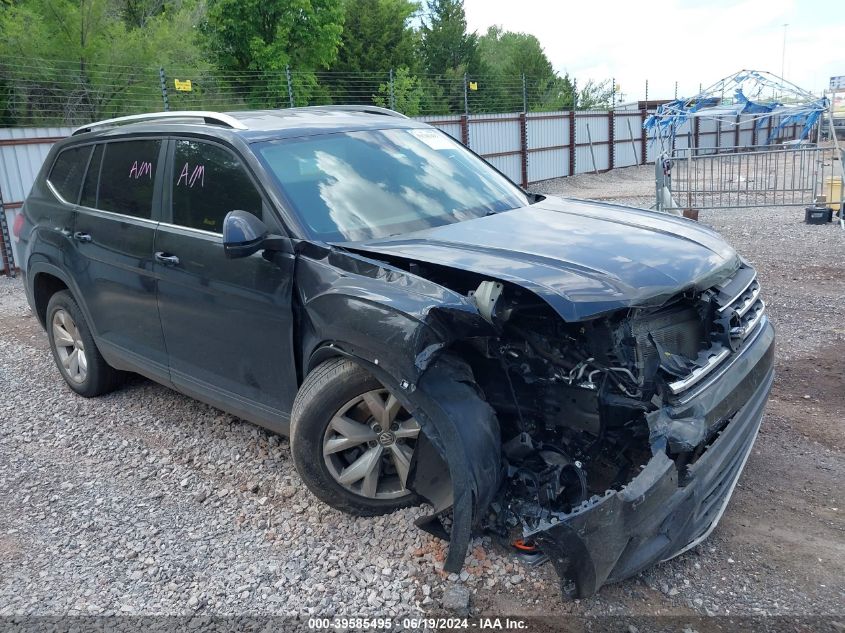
473, 85
182, 86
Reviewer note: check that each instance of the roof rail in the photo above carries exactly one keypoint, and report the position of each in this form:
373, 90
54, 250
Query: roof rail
207, 117
367, 109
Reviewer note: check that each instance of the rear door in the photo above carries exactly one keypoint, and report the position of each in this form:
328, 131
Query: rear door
52, 206
227, 322
114, 234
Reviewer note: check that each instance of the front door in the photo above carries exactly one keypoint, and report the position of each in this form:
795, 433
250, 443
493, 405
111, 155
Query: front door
227, 322
114, 233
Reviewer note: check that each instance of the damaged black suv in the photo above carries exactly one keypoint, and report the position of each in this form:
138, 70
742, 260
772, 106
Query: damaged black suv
584, 377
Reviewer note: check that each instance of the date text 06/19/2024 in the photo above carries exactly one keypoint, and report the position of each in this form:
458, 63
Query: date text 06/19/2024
415, 623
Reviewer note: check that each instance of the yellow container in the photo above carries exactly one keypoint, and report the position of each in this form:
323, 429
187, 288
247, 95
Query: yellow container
833, 191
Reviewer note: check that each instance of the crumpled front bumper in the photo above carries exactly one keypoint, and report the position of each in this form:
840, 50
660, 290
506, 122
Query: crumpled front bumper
662, 513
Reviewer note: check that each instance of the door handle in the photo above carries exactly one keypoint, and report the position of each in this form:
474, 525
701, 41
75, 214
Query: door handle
168, 260
81, 237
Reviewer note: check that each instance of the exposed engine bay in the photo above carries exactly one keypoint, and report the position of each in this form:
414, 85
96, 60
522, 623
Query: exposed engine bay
582, 407
575, 397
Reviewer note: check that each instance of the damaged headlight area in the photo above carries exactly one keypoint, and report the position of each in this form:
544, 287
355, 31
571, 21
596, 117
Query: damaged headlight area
621, 436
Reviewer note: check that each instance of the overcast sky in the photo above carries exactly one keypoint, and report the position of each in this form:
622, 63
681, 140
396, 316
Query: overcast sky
688, 41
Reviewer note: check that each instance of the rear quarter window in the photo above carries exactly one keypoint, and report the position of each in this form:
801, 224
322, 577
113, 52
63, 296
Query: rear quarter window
68, 170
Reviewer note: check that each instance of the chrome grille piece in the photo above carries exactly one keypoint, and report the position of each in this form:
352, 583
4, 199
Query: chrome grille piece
739, 299
745, 307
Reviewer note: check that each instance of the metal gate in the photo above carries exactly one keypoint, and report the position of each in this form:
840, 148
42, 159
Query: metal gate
745, 178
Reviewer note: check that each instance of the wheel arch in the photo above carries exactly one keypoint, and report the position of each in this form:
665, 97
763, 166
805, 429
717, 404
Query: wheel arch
44, 280
460, 433
44, 286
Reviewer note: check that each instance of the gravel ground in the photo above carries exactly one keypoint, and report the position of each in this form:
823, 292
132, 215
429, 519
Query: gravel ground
147, 502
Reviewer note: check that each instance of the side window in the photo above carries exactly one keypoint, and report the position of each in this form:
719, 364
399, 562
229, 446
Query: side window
89, 187
127, 177
67, 171
208, 182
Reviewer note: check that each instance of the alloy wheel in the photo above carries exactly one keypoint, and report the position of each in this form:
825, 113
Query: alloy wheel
70, 347
369, 443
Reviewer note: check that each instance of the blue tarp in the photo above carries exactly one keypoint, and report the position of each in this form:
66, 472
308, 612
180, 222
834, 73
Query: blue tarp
794, 106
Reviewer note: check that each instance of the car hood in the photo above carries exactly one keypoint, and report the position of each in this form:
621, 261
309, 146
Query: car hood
584, 258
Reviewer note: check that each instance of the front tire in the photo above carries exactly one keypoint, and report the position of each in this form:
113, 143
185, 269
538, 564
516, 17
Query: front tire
77, 357
352, 440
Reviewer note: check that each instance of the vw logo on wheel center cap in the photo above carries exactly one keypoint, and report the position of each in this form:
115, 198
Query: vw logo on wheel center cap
386, 438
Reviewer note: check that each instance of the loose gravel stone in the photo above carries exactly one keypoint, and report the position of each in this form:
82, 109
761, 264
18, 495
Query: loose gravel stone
456, 599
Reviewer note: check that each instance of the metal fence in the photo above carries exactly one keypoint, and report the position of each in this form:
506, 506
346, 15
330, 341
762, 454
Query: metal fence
729, 133
534, 146
741, 178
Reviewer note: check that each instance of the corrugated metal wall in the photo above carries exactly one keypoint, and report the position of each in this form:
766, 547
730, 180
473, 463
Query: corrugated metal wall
746, 131
707, 134
497, 137
627, 134
592, 148
548, 145
22, 152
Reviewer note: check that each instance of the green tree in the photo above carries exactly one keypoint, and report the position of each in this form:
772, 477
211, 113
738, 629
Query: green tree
509, 56
509, 53
262, 37
446, 45
377, 36
408, 93
449, 54
271, 34
595, 95
136, 13
75, 61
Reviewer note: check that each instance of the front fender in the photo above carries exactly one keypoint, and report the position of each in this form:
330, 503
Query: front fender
398, 326
378, 313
